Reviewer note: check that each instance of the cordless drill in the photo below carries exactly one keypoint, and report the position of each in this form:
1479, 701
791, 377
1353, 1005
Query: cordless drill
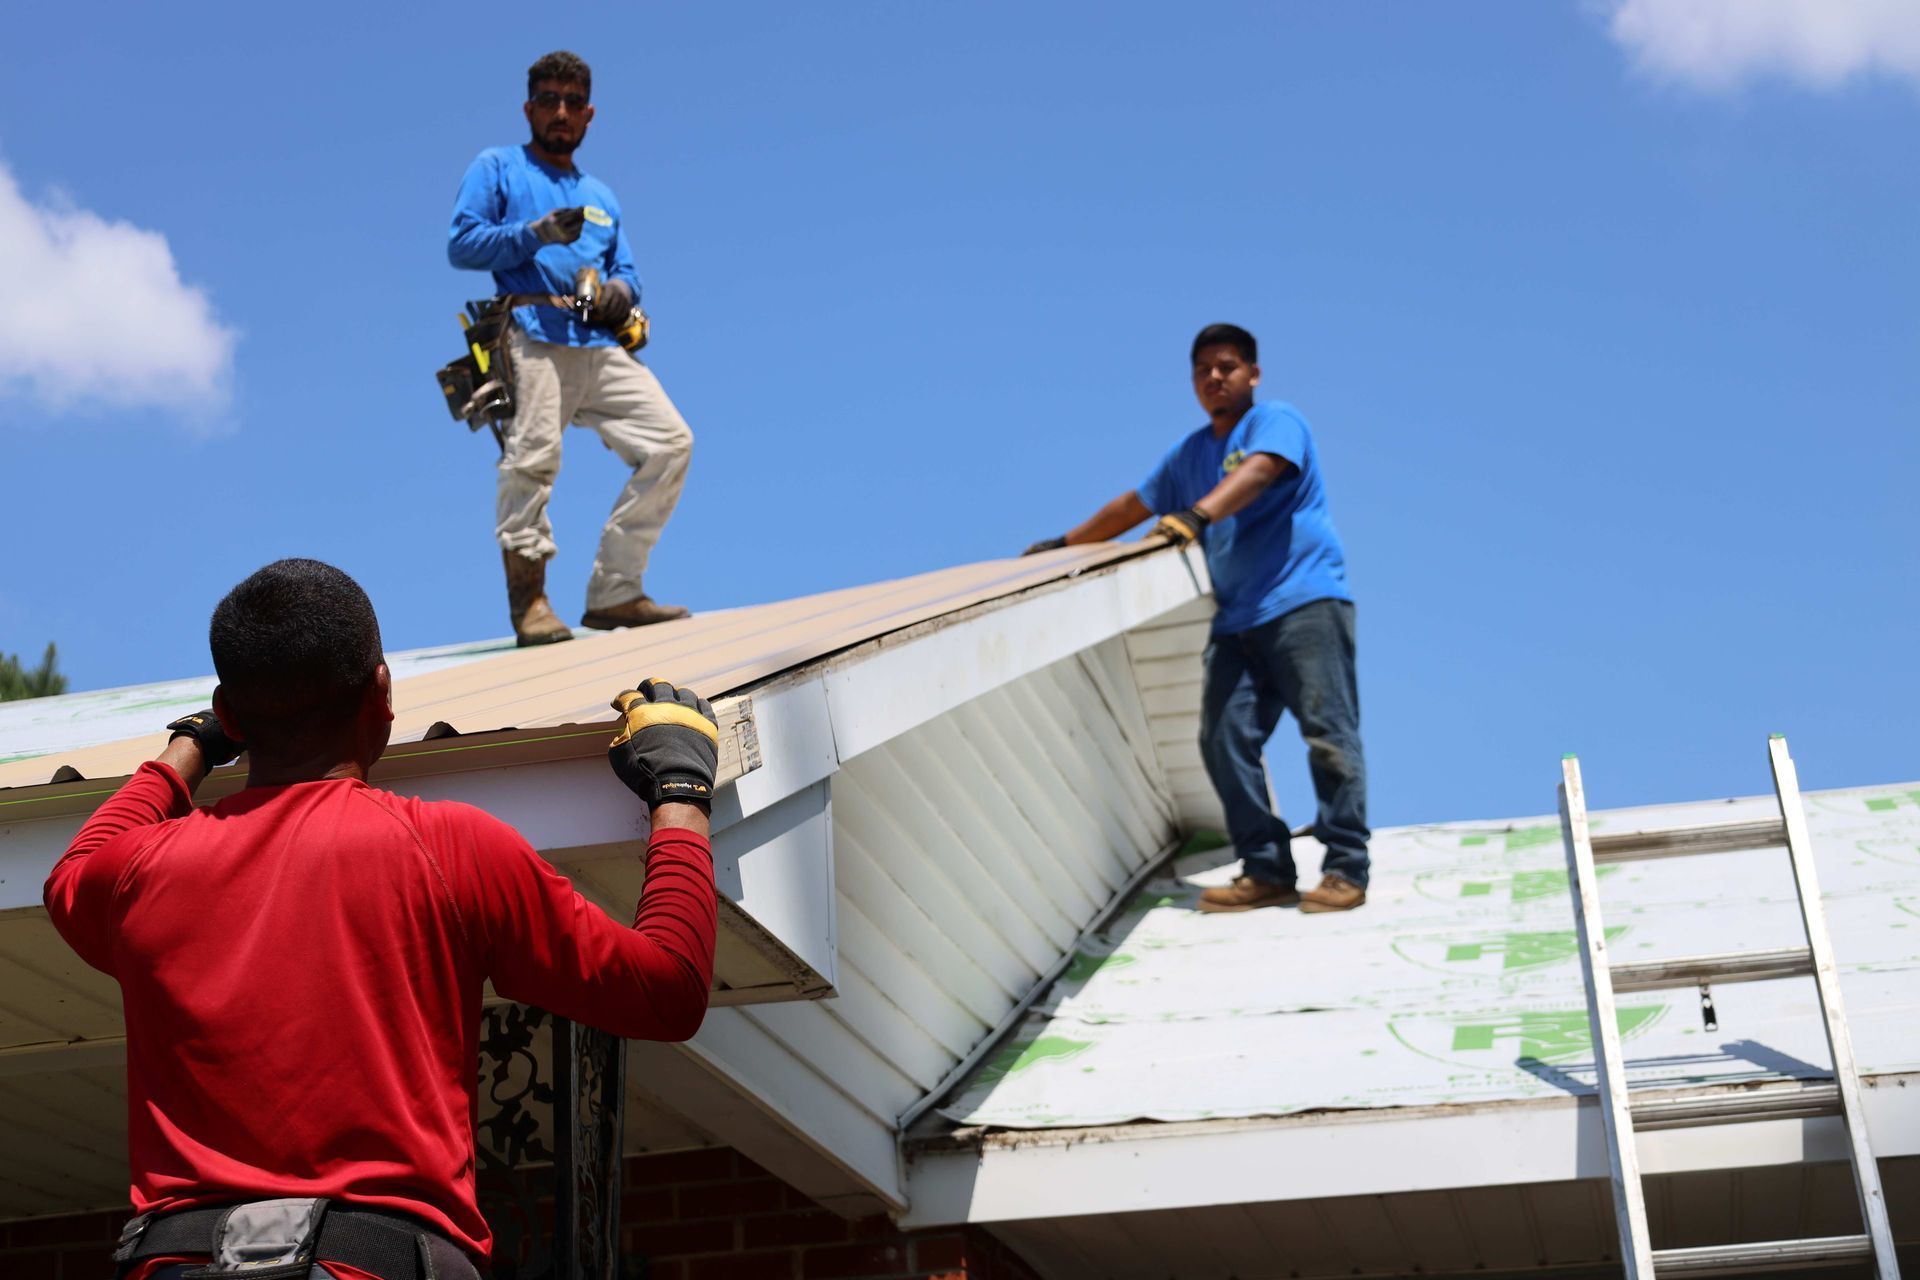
630, 331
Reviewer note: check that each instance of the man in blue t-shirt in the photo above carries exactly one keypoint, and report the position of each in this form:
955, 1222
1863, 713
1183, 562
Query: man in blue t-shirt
1248, 486
528, 215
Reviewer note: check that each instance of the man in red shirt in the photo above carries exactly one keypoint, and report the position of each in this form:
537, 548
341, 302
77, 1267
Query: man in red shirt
301, 964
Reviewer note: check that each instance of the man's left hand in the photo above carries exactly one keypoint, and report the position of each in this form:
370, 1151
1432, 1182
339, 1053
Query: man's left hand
612, 306
1182, 527
668, 747
216, 748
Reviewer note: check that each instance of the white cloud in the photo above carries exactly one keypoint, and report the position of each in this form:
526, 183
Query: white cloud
1718, 44
95, 312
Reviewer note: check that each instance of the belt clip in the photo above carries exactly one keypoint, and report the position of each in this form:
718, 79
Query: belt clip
130, 1236
265, 1240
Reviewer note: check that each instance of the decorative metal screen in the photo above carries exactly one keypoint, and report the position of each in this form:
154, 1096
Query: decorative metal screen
550, 1134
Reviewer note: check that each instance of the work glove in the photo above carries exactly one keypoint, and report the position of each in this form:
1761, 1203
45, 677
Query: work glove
1045, 544
1182, 527
216, 748
612, 305
668, 746
562, 226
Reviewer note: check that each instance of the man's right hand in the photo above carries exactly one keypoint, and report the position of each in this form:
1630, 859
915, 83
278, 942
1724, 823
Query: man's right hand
562, 226
668, 747
612, 305
1045, 544
216, 748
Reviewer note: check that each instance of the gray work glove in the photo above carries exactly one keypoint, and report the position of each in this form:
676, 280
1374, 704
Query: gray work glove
612, 305
668, 747
216, 748
1045, 544
562, 226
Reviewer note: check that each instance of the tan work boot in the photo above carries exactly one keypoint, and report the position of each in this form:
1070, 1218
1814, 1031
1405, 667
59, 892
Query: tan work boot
642, 611
1246, 893
534, 621
1333, 894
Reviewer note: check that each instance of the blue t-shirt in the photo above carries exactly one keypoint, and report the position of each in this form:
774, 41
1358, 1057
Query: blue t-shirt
505, 189
1278, 552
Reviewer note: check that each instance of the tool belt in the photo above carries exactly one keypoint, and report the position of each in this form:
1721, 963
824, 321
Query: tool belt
479, 385
283, 1240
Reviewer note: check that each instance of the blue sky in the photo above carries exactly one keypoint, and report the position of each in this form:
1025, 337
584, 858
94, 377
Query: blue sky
1611, 355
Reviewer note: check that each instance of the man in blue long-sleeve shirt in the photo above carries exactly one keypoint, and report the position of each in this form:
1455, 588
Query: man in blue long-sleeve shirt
528, 215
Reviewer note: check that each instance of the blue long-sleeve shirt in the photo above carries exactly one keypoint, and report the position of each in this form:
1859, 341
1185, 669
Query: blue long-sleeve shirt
505, 189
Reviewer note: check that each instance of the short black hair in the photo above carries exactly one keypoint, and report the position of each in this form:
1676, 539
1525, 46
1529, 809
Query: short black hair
563, 67
294, 646
1233, 334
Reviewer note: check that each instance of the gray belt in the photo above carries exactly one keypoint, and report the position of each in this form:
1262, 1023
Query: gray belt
283, 1239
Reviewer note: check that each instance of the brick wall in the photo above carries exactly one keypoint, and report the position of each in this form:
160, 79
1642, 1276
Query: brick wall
688, 1215
71, 1248
715, 1215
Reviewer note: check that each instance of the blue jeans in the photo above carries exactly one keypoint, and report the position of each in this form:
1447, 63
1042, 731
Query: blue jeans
1300, 662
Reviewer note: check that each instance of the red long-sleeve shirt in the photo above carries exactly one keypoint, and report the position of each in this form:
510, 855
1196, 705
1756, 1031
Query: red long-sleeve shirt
301, 968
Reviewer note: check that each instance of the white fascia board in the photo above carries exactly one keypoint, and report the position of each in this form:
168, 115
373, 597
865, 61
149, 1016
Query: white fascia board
777, 866
908, 681
1138, 1168
774, 864
773, 854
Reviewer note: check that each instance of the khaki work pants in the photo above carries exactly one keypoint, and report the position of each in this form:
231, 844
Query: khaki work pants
608, 391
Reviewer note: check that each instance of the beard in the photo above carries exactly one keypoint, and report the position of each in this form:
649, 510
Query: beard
559, 144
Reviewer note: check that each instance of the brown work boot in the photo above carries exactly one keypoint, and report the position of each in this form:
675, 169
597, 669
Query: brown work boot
1246, 893
534, 621
1334, 893
642, 611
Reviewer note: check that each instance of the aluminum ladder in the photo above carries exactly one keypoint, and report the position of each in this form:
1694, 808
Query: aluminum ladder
1621, 1116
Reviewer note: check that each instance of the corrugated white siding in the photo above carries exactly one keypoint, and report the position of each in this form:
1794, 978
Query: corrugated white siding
968, 854
1165, 658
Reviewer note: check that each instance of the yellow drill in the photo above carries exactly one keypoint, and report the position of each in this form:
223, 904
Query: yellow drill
630, 332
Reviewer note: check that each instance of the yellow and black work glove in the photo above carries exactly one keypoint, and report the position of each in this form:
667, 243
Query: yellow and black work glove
216, 747
1045, 544
561, 226
668, 746
1182, 527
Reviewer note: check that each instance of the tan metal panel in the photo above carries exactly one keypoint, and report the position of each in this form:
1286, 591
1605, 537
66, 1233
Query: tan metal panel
715, 653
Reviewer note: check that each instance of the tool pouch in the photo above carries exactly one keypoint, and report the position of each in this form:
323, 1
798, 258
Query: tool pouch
632, 332
265, 1240
479, 385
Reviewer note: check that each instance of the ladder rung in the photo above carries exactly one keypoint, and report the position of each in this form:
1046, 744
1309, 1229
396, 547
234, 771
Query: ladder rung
1731, 966
1773, 1102
1769, 1255
1676, 842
